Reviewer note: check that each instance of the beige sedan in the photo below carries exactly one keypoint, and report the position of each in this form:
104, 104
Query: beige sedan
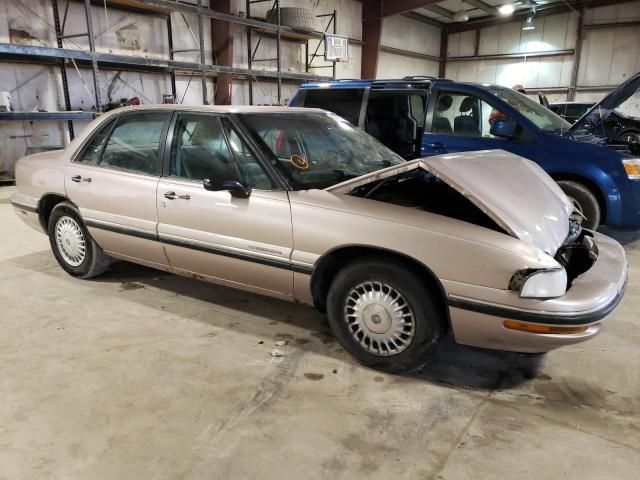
299, 204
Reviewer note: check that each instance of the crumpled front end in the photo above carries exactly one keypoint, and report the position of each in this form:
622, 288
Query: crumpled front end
502, 319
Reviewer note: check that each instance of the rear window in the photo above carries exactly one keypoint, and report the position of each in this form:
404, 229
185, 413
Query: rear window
345, 102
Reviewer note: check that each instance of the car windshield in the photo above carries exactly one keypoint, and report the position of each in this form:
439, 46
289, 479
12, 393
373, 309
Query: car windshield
541, 116
317, 150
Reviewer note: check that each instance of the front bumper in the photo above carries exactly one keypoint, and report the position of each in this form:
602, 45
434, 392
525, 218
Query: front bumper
478, 313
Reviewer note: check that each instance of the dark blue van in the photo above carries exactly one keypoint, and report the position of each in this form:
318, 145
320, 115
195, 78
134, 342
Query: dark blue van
422, 116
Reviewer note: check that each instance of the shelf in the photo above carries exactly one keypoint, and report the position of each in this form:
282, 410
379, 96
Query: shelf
31, 53
52, 116
294, 35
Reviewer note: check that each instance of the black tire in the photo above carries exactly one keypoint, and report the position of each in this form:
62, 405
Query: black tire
630, 136
585, 200
94, 261
428, 319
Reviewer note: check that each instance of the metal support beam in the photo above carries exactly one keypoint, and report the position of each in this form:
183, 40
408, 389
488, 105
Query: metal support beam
422, 19
444, 52
35, 54
479, 4
63, 67
279, 52
222, 49
402, 6
438, 10
203, 75
571, 93
94, 60
172, 73
505, 56
371, 36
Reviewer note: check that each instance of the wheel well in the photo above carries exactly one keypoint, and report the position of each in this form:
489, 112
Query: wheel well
592, 186
330, 264
45, 206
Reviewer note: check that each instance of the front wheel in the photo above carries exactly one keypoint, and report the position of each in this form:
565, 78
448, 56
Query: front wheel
584, 202
384, 315
74, 249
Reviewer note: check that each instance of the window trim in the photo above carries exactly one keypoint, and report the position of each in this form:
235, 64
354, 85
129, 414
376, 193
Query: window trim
115, 121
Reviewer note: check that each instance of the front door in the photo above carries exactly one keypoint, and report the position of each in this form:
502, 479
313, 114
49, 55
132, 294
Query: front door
461, 122
241, 242
113, 181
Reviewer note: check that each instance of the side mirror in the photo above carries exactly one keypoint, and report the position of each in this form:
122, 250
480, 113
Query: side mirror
235, 188
504, 129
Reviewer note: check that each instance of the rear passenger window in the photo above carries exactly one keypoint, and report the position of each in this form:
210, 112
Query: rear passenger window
134, 143
91, 153
345, 102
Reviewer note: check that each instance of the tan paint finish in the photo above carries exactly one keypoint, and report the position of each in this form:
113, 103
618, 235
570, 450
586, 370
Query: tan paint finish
472, 262
119, 198
259, 226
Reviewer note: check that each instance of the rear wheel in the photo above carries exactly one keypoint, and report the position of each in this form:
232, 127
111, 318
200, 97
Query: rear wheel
584, 201
74, 249
384, 315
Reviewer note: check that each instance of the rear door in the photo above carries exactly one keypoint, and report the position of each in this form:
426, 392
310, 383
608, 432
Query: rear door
458, 121
396, 118
113, 181
241, 242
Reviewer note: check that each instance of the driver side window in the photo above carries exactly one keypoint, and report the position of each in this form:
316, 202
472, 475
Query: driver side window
464, 115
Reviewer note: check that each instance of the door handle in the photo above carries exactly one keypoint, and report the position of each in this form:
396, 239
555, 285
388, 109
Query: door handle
437, 145
173, 196
78, 178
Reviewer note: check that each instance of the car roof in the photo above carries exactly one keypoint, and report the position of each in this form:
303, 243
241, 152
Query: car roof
405, 82
218, 108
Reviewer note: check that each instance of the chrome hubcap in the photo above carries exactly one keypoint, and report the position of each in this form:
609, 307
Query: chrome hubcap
70, 241
379, 318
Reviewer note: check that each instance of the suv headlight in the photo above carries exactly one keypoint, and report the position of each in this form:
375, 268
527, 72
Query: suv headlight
545, 284
632, 167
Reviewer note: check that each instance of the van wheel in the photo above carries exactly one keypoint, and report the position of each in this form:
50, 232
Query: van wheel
74, 249
584, 201
384, 315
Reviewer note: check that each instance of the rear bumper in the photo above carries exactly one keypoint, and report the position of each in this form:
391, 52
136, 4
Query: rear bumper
26, 207
479, 320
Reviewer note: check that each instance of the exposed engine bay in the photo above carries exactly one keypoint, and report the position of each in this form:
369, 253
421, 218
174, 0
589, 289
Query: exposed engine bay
578, 253
422, 190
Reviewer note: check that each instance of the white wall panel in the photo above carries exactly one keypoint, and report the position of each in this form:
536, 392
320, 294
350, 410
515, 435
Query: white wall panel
406, 34
397, 66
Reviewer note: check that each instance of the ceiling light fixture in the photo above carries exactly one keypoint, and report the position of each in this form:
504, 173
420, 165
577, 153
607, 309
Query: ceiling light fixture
461, 16
528, 25
507, 9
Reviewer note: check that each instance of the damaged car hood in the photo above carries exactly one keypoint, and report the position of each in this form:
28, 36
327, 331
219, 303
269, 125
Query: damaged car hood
594, 116
513, 191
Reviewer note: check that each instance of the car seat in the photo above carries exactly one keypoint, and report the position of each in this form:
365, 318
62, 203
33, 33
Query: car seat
467, 122
442, 124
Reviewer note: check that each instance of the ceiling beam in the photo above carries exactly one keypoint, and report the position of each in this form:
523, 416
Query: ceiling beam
402, 6
422, 19
438, 10
541, 11
488, 9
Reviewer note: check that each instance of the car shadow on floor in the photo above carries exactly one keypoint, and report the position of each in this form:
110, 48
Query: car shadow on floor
271, 319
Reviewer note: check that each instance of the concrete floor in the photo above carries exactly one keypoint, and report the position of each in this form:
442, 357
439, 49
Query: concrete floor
140, 374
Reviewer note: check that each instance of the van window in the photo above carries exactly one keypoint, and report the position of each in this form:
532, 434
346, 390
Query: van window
345, 102
464, 115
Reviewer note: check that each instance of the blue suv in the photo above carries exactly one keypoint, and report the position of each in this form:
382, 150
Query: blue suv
422, 116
